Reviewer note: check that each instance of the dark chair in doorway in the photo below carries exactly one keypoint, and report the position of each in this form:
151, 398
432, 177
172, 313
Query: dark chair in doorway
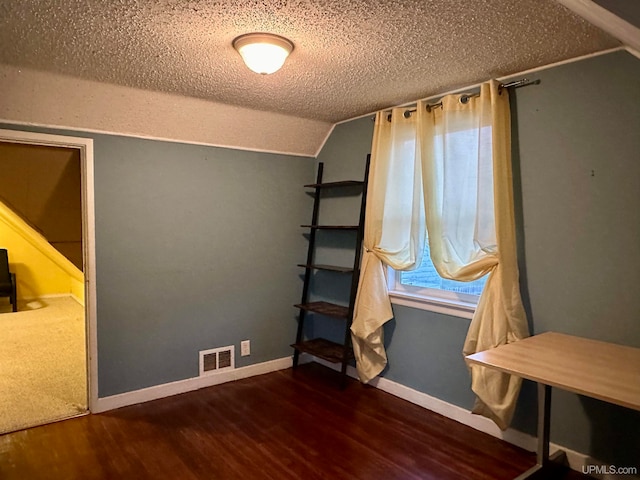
7, 280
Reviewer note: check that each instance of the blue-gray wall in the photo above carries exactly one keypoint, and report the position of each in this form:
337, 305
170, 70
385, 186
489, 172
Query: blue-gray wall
577, 166
196, 248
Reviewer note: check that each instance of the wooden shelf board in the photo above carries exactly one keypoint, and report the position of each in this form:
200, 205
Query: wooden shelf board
344, 183
325, 308
331, 268
325, 349
332, 227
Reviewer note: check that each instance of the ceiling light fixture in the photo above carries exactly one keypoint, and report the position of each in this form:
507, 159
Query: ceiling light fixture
263, 52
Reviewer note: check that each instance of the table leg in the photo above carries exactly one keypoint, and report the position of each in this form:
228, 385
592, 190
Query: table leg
543, 460
544, 423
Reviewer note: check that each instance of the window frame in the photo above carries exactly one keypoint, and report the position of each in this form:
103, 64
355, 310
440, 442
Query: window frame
456, 304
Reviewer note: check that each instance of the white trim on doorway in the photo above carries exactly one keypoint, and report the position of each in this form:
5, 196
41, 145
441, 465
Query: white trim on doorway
85, 145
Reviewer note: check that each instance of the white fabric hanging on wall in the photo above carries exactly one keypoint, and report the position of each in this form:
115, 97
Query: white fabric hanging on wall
457, 158
470, 219
394, 233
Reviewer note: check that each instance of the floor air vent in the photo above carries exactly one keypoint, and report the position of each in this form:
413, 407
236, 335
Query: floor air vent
217, 360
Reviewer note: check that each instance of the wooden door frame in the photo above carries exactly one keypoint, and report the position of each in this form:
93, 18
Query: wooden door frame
85, 147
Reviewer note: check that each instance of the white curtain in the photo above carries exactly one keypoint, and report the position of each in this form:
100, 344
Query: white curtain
394, 232
462, 151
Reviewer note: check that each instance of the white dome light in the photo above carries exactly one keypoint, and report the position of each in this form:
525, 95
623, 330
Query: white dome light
263, 52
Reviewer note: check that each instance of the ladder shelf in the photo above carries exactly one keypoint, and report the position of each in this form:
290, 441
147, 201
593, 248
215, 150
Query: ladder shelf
325, 349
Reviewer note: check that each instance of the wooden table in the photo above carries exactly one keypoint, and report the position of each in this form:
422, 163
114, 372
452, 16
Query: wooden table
596, 369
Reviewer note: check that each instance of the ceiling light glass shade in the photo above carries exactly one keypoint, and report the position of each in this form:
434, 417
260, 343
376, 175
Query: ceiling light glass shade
263, 52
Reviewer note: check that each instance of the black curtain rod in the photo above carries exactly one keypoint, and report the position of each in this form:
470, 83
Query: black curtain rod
523, 82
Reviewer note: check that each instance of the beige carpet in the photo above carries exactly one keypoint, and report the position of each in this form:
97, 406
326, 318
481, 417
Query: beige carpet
42, 362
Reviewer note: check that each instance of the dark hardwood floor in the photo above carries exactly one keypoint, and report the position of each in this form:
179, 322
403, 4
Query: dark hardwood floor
283, 425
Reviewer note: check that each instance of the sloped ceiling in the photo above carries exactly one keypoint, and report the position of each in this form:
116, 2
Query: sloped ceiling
351, 57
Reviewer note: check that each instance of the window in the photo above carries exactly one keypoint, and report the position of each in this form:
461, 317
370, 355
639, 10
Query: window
426, 277
424, 288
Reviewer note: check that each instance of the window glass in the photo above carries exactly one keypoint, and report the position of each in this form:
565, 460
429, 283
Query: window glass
426, 276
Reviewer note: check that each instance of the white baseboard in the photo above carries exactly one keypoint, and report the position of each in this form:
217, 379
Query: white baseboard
577, 461
48, 295
104, 404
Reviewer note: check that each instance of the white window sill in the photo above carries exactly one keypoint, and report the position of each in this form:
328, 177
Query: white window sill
455, 308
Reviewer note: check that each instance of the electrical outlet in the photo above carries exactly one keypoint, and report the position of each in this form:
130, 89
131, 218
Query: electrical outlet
245, 348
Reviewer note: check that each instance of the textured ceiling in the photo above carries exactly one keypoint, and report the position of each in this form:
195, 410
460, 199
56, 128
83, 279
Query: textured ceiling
351, 57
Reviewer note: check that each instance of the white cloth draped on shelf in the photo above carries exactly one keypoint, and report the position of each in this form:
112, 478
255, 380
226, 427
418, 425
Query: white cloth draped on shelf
446, 170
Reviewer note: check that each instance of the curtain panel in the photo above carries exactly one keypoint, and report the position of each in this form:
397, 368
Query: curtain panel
394, 233
455, 166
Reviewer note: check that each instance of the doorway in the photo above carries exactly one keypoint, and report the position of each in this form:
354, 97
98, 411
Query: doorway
49, 330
